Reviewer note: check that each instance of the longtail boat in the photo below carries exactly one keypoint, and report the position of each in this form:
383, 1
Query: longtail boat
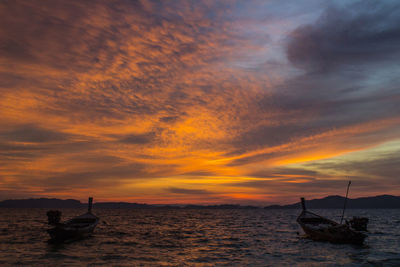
75, 228
320, 228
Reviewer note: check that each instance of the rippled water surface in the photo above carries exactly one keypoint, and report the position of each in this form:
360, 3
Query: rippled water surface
179, 237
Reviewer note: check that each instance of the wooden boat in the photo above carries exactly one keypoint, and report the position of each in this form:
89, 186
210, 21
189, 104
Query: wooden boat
75, 228
319, 228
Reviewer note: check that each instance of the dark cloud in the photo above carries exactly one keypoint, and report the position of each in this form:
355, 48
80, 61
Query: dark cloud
252, 159
99, 159
283, 172
33, 133
27, 147
169, 119
138, 139
362, 33
176, 190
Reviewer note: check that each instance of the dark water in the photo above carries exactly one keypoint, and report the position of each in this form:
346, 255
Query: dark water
195, 238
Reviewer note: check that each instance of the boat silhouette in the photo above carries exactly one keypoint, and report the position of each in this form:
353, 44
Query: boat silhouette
319, 228
75, 228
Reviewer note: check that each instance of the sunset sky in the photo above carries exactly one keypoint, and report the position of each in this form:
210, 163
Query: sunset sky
250, 102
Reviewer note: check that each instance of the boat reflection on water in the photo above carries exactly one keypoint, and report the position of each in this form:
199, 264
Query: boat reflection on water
73, 229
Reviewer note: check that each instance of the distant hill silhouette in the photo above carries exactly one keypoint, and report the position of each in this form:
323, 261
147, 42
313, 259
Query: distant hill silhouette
222, 206
330, 202
120, 205
336, 202
50, 203
54, 203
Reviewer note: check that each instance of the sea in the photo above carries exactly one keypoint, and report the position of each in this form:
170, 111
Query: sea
195, 237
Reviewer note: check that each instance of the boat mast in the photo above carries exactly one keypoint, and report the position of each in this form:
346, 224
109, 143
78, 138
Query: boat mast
303, 203
90, 205
345, 200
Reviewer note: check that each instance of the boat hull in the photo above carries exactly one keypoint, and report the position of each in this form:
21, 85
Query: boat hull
75, 228
322, 229
335, 234
63, 233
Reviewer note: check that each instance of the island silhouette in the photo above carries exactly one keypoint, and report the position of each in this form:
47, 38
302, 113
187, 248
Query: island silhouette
329, 202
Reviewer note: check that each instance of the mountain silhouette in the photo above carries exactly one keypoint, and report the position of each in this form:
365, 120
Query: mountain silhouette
330, 202
336, 202
50, 203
